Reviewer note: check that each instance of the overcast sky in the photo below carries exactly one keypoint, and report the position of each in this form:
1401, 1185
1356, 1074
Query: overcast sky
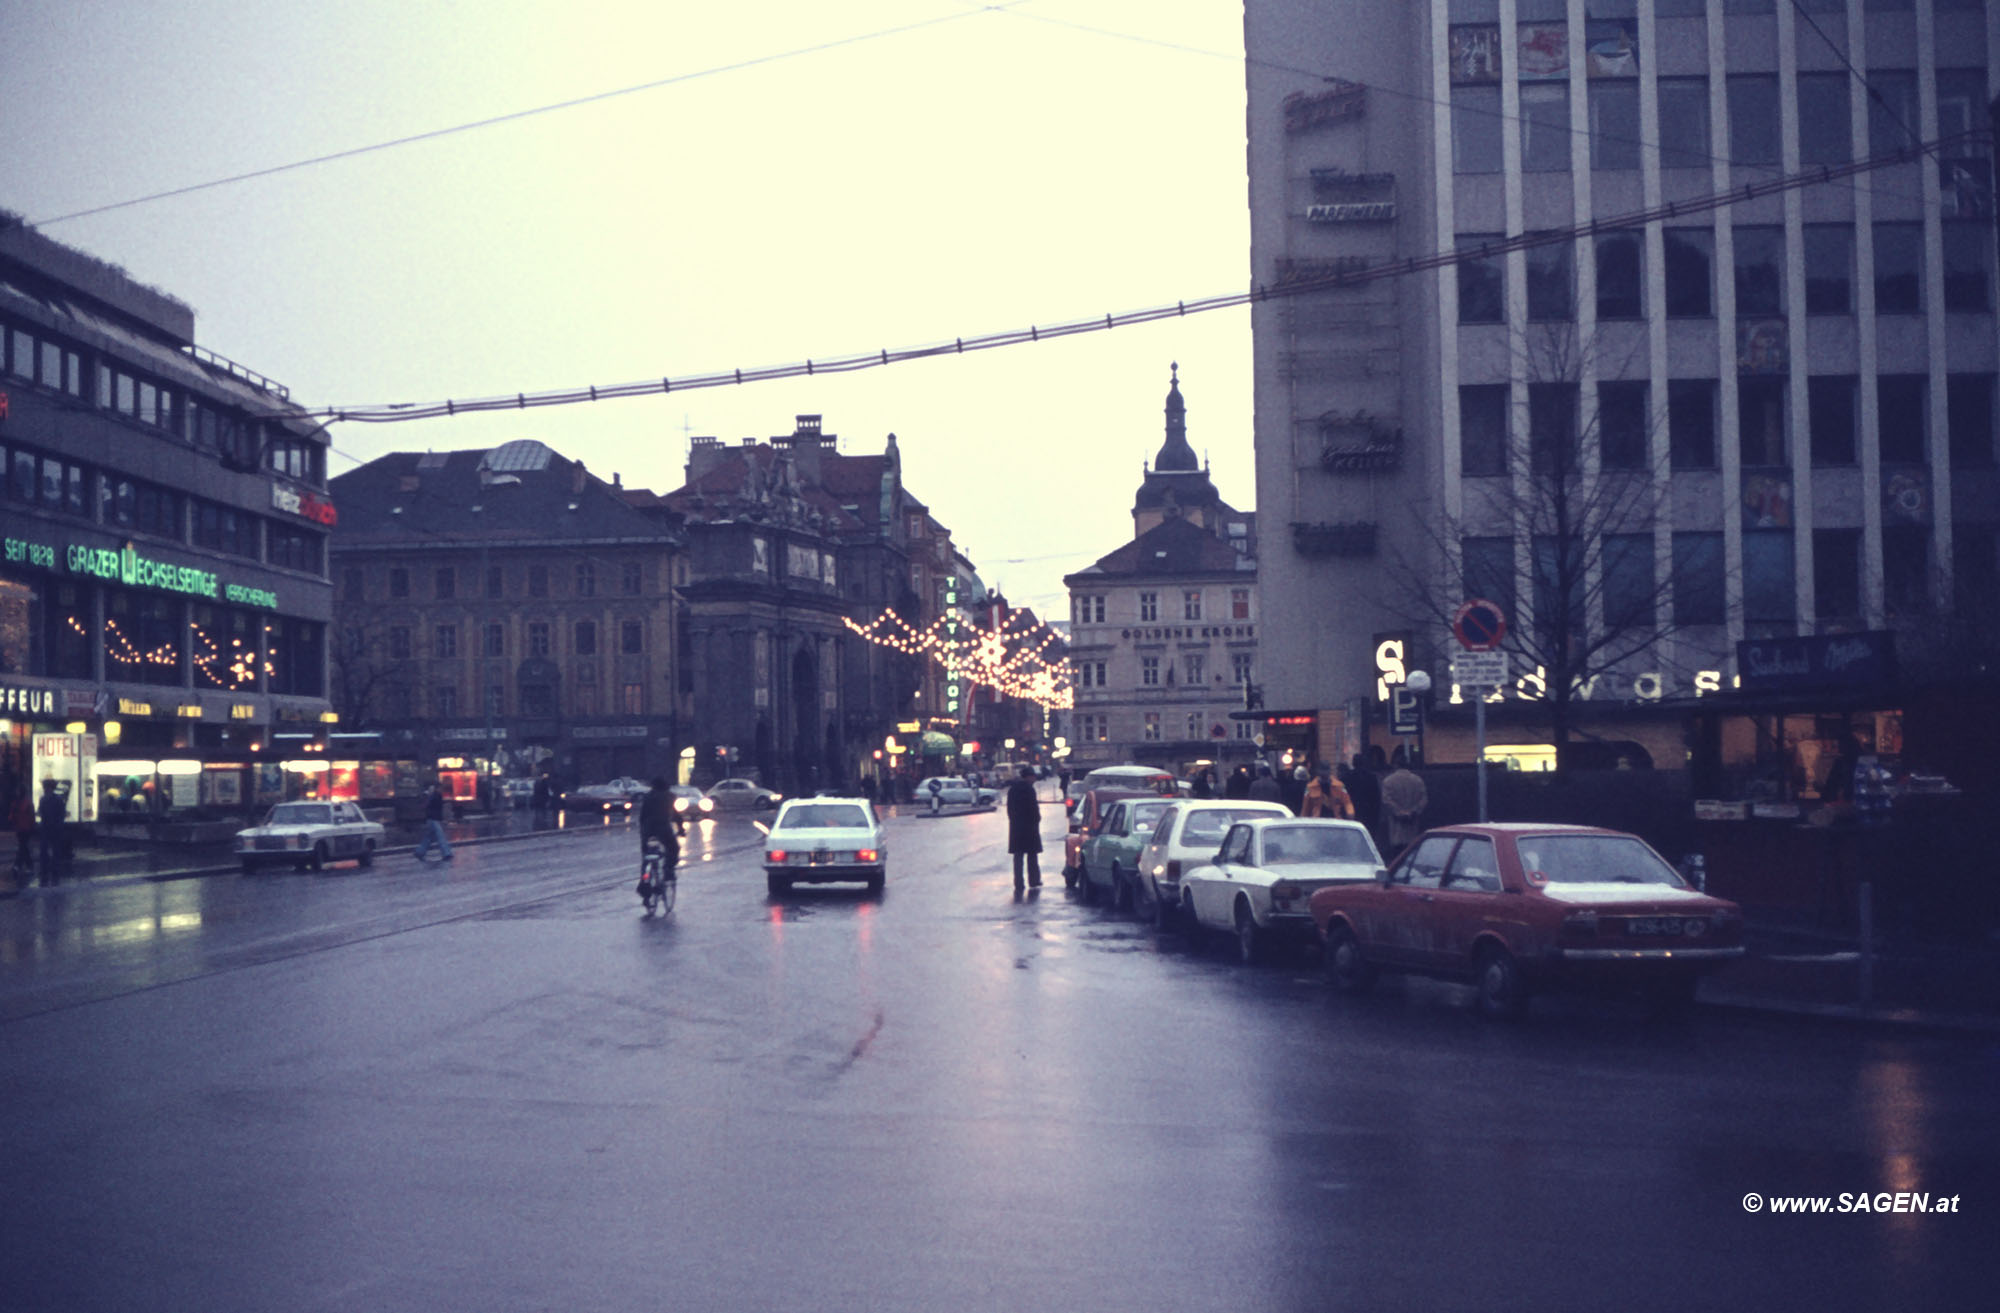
817, 179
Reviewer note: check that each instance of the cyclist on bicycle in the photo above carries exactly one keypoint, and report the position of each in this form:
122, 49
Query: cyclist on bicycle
656, 824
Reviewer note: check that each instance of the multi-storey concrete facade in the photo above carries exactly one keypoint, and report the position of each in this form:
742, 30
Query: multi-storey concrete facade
163, 591
1799, 385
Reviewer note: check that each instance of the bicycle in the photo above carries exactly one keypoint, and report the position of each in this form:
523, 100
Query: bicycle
657, 882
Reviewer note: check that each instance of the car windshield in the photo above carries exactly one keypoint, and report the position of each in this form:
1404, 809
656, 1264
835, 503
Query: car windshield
301, 813
1594, 859
1207, 825
824, 816
1295, 845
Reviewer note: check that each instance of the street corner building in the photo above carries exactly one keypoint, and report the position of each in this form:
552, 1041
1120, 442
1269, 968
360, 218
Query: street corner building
1668, 327
163, 589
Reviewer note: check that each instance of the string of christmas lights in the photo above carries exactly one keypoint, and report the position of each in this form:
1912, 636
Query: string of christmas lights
1011, 660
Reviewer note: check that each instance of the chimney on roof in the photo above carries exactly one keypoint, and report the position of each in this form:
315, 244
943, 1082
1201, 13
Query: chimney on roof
579, 479
616, 480
704, 454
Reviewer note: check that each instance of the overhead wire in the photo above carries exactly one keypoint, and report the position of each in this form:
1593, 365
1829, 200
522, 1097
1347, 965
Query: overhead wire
1346, 277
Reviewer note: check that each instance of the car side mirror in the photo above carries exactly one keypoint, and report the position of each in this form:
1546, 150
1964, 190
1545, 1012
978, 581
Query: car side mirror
1382, 875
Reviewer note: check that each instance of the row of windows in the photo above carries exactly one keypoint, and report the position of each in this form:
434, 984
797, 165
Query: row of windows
1623, 429
1530, 11
68, 630
1754, 123
400, 701
1154, 672
444, 581
65, 487
1095, 727
35, 357
1088, 608
492, 637
1635, 599
1758, 273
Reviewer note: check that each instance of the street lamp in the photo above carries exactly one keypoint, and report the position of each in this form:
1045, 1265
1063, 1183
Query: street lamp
1419, 682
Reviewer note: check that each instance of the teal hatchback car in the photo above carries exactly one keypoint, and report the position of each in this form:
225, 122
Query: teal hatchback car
1111, 855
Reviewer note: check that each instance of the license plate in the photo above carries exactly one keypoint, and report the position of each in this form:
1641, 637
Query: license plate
822, 858
1663, 925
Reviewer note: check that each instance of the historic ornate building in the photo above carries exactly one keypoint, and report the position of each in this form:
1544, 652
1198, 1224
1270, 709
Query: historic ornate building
1163, 631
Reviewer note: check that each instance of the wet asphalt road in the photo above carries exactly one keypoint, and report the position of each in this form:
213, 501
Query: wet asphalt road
493, 1085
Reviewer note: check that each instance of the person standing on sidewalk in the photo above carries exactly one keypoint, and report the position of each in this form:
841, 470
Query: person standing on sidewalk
1404, 799
434, 836
21, 819
52, 813
1024, 829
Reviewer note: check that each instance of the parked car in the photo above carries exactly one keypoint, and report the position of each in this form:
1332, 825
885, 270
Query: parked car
691, 804
1111, 855
517, 792
621, 794
1267, 871
1187, 835
820, 840
1141, 779
734, 793
309, 834
954, 791
1086, 819
1513, 908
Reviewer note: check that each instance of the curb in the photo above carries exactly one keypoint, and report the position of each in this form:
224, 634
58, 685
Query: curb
1848, 1014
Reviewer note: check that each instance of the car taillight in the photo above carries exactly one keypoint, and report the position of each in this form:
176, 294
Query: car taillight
775, 855
867, 855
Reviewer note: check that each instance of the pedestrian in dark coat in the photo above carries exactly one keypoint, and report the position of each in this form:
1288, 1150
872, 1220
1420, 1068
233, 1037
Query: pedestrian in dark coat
1264, 788
1024, 829
1365, 787
1238, 784
53, 814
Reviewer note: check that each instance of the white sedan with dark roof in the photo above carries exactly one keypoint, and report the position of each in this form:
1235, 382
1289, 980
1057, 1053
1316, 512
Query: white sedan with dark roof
309, 834
1259, 884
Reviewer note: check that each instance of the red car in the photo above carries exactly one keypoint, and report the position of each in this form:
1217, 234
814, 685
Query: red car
1513, 908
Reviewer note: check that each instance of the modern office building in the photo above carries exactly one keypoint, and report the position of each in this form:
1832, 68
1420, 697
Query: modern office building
1163, 631
163, 591
1762, 415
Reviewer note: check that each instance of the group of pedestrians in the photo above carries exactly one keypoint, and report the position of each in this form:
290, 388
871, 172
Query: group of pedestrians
1386, 796
41, 835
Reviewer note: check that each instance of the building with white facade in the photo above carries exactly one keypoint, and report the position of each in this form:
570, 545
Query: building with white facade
1773, 411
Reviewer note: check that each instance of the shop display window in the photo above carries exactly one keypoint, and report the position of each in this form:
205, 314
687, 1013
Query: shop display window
378, 780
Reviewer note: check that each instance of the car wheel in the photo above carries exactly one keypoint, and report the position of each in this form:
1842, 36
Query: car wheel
777, 885
1502, 993
1250, 947
1163, 911
1346, 970
1119, 896
1085, 890
319, 857
875, 882
367, 857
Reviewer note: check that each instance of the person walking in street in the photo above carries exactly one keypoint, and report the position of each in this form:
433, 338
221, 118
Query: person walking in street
1403, 801
1264, 788
1238, 783
1024, 829
434, 836
52, 815
21, 819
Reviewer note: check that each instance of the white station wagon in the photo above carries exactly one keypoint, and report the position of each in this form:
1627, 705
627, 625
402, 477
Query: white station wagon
820, 840
309, 834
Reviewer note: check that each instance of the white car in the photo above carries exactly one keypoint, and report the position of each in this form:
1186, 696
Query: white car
621, 794
309, 834
1141, 779
743, 793
954, 791
1187, 835
823, 840
1267, 871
